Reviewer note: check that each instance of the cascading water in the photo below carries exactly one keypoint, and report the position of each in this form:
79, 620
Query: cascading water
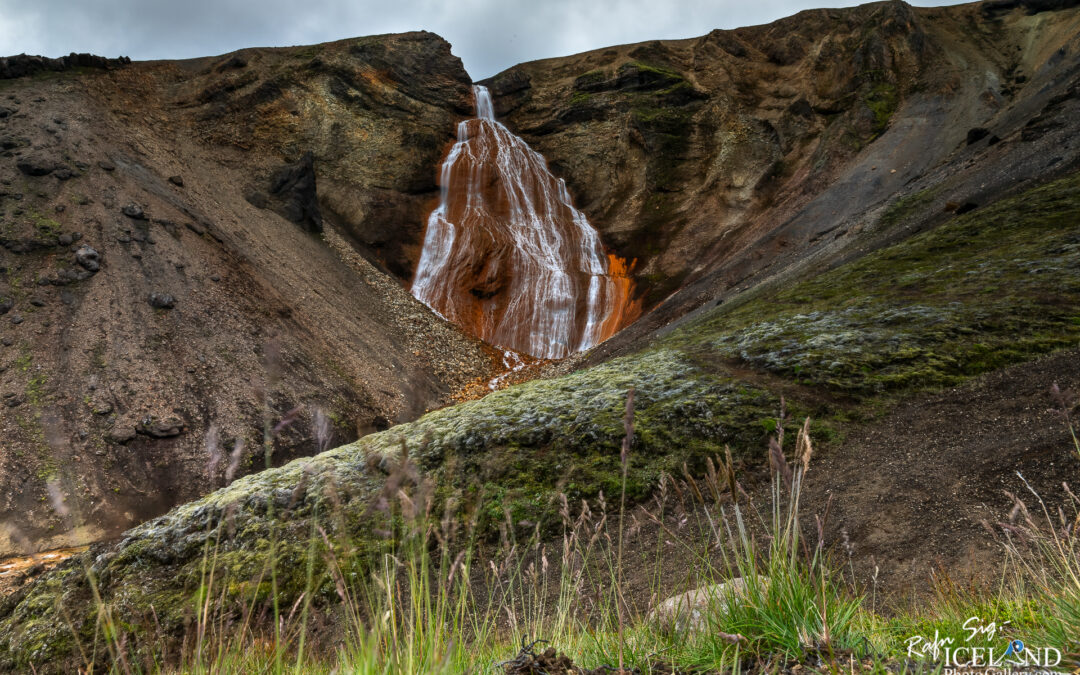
507, 256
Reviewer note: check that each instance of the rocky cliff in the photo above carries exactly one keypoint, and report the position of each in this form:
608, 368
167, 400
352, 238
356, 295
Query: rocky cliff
715, 162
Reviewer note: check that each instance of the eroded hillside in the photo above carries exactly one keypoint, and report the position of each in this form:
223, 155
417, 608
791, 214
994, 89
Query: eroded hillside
154, 284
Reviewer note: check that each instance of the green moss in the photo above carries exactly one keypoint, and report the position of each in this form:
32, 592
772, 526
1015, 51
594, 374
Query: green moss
882, 99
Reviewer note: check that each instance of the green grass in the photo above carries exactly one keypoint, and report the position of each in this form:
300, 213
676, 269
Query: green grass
437, 601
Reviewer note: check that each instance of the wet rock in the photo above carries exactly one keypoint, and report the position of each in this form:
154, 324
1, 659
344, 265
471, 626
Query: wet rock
178, 181
160, 300
121, 433
88, 258
36, 164
166, 427
133, 211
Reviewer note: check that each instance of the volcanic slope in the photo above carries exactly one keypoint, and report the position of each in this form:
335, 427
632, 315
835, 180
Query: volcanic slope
162, 269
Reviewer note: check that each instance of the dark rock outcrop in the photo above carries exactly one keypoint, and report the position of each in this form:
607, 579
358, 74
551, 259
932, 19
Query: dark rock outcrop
294, 188
23, 65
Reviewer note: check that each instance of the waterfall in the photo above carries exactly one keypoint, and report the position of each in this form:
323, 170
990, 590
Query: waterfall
508, 257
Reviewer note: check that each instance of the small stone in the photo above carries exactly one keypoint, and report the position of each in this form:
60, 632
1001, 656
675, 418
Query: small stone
106, 165
124, 239
36, 165
16, 319
121, 433
88, 258
14, 400
60, 208
215, 277
5, 305
160, 300
65, 240
6, 341
37, 302
161, 428
178, 181
133, 211
196, 228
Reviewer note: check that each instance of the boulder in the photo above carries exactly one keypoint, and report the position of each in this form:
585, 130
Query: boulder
36, 164
165, 427
159, 300
133, 211
690, 611
88, 258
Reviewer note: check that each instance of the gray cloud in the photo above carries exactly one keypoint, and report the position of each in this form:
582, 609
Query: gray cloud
489, 35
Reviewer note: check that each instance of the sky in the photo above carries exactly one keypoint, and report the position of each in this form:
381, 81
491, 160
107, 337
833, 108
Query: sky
488, 35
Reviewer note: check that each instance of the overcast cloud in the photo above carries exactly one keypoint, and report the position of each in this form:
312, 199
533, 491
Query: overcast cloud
489, 35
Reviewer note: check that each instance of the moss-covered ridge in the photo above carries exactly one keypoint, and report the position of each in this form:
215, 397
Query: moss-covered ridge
989, 288
992, 287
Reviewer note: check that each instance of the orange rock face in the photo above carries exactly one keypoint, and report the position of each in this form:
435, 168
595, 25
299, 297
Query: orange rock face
508, 257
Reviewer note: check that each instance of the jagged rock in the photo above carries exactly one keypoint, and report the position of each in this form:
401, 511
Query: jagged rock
690, 611
36, 165
88, 258
294, 184
160, 300
133, 211
161, 428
